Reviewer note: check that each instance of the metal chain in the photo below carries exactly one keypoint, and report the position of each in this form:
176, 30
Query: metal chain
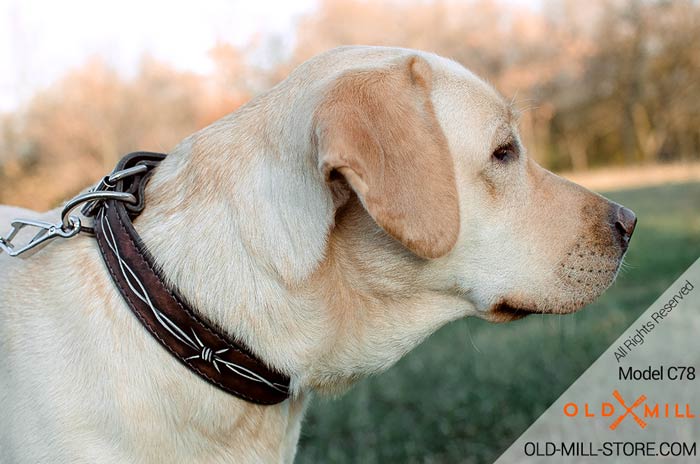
70, 225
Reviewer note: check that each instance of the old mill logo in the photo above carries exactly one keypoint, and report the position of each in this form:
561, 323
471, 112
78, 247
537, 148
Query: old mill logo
640, 410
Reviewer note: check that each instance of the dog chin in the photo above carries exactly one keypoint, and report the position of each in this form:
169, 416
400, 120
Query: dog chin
507, 310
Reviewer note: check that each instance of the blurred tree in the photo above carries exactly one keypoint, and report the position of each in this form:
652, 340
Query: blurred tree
601, 81
72, 133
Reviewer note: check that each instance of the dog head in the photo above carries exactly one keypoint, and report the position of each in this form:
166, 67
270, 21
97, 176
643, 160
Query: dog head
434, 157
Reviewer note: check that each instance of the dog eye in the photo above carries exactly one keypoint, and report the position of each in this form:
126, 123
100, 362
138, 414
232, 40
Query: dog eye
505, 153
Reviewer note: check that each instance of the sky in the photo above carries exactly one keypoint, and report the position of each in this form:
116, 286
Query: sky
41, 39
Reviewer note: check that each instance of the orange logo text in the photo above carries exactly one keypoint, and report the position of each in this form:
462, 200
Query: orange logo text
640, 411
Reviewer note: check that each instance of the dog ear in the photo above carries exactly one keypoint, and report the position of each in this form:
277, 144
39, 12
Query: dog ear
377, 129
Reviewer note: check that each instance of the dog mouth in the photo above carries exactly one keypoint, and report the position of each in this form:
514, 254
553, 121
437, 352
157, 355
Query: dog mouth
506, 312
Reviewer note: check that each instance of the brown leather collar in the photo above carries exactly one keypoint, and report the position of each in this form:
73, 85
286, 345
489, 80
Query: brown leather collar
167, 317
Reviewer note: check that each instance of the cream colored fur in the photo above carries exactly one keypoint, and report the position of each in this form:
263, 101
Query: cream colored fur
248, 220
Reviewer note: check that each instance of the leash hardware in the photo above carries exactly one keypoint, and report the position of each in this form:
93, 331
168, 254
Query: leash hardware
116, 176
46, 232
68, 227
107, 185
92, 199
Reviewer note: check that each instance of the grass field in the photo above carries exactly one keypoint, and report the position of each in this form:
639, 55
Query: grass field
472, 388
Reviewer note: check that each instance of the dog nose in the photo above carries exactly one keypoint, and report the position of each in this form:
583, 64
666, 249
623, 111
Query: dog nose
624, 224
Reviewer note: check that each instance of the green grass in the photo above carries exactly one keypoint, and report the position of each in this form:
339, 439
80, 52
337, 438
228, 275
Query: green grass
472, 388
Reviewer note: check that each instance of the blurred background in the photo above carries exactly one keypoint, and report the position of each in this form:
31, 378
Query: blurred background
609, 91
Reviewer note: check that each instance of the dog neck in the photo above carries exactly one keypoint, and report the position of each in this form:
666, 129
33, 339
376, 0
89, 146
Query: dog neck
222, 222
230, 226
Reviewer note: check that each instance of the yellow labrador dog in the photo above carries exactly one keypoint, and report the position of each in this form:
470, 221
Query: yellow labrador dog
330, 225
